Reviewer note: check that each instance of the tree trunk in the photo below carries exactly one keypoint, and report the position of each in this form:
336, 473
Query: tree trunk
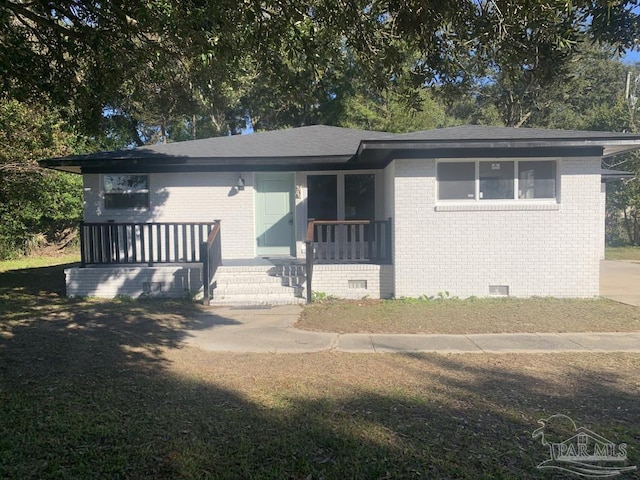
627, 226
163, 131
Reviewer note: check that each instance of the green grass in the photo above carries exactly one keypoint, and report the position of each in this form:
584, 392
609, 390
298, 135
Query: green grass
33, 262
96, 389
622, 253
455, 316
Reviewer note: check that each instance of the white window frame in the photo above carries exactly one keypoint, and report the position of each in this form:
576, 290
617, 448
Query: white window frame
516, 187
140, 190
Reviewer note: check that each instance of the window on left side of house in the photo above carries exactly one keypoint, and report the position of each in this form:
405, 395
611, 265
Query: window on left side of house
126, 191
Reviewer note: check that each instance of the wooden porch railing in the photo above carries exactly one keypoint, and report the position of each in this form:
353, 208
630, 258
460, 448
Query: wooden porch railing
211, 255
346, 241
142, 243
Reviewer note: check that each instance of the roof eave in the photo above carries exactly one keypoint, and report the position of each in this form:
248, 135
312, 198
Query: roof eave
612, 150
164, 163
614, 146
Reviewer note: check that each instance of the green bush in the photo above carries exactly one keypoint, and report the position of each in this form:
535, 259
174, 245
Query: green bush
36, 205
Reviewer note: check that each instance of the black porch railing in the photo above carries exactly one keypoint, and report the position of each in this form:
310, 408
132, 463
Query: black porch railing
211, 255
346, 241
113, 243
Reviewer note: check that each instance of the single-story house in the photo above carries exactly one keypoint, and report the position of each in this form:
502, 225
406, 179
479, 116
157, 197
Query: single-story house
270, 217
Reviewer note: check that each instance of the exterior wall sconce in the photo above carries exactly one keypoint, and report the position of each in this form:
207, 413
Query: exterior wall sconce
240, 184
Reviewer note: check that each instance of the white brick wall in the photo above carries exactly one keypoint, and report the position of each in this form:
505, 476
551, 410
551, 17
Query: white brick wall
334, 280
189, 197
603, 208
535, 249
108, 282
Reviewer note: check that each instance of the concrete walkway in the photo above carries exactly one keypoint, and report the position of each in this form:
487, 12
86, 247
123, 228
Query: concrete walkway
238, 329
620, 281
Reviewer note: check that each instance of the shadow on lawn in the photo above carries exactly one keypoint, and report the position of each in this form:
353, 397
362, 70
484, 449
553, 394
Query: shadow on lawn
47, 281
88, 391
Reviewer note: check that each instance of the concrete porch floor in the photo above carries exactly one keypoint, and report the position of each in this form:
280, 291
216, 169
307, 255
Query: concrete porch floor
261, 261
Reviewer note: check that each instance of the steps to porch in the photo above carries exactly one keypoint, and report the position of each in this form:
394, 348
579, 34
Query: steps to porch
259, 282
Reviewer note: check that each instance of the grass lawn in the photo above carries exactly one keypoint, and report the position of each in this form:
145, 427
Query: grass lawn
98, 389
33, 262
499, 315
622, 253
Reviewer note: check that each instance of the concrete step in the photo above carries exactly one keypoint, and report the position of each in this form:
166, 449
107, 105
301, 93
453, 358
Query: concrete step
262, 268
255, 289
259, 285
258, 279
243, 279
255, 299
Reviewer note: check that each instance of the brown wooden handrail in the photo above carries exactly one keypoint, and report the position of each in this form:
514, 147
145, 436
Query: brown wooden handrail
211, 256
214, 233
310, 225
341, 222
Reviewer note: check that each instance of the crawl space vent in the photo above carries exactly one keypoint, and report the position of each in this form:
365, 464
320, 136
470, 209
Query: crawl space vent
499, 290
152, 287
362, 284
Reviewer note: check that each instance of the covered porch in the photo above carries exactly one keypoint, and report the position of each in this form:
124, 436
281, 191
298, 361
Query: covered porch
343, 258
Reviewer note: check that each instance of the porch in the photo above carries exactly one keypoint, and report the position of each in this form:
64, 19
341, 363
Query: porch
348, 259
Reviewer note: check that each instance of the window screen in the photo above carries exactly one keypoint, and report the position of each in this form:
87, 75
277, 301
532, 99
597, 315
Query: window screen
359, 197
537, 179
496, 180
126, 191
322, 201
456, 181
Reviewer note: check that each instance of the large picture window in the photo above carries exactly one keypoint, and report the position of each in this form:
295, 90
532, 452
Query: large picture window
484, 180
126, 191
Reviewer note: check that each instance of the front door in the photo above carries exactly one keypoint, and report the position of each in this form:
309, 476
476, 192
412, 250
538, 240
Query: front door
274, 214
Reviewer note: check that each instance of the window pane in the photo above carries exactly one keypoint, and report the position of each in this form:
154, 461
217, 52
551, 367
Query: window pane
126, 200
359, 197
496, 180
537, 179
456, 180
126, 191
322, 201
125, 183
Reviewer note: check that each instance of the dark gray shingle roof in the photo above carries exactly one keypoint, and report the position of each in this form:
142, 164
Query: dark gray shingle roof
312, 141
324, 147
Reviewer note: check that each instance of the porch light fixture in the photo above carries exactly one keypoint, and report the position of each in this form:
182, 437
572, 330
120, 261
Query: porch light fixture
240, 184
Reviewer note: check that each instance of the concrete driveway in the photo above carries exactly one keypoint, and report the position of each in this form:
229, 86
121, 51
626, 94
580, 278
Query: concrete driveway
620, 281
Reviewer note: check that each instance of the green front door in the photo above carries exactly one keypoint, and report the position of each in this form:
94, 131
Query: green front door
274, 214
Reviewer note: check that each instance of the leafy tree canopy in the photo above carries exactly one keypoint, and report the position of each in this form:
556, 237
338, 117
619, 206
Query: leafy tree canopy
36, 205
84, 75
154, 61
